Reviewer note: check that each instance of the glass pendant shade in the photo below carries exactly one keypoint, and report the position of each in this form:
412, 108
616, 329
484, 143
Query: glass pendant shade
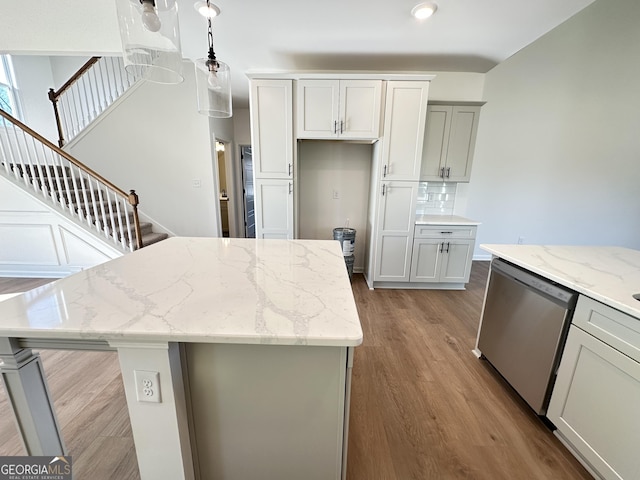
151, 39
214, 89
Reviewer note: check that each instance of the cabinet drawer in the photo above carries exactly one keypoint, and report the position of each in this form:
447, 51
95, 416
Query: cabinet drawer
445, 231
613, 327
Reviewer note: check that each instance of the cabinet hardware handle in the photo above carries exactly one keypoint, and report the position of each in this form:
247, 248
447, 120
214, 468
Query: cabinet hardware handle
441, 172
290, 188
448, 171
290, 165
335, 126
384, 187
448, 247
384, 171
446, 232
441, 245
341, 126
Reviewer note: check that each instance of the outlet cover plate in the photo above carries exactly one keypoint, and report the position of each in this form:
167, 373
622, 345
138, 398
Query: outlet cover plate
147, 386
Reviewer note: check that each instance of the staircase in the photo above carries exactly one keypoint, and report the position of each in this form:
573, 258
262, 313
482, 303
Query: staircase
62, 182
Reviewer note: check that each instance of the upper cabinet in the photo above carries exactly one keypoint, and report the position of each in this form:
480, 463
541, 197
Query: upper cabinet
272, 128
449, 142
404, 124
339, 109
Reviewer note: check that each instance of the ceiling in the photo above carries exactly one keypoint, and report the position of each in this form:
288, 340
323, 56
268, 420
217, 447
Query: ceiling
380, 35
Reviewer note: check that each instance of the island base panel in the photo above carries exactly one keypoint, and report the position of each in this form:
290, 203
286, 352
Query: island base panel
268, 411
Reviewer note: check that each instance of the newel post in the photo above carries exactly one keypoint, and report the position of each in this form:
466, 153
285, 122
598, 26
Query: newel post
133, 201
54, 102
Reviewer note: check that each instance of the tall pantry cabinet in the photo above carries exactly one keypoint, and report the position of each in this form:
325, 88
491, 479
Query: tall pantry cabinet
272, 143
403, 135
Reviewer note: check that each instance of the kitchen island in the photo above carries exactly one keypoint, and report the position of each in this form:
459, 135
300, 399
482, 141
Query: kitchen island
595, 398
236, 355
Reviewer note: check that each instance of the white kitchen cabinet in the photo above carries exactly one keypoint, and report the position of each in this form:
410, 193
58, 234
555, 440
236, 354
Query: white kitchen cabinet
272, 128
449, 142
394, 242
404, 123
442, 253
595, 403
274, 208
338, 109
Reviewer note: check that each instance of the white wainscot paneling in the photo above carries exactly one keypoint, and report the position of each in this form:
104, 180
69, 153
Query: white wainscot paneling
79, 253
28, 243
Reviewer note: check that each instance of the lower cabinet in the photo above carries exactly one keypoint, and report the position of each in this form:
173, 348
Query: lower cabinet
274, 208
442, 253
596, 398
441, 260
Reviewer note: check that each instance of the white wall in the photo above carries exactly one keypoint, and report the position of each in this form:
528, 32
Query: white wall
325, 167
459, 86
63, 67
557, 156
34, 79
157, 143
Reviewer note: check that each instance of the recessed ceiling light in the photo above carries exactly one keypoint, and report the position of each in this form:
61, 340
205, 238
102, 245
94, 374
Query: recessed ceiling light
424, 10
209, 11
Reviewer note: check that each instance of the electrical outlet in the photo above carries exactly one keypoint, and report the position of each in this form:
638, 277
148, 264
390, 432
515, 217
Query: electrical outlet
336, 195
147, 386
196, 183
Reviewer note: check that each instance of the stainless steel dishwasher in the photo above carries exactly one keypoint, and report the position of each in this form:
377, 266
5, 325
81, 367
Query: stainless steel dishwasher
524, 327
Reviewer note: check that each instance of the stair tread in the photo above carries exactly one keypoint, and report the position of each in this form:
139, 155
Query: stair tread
153, 237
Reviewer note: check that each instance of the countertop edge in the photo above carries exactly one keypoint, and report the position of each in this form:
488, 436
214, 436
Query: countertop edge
595, 295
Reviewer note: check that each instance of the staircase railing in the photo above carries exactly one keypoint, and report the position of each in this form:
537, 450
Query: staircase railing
89, 92
65, 183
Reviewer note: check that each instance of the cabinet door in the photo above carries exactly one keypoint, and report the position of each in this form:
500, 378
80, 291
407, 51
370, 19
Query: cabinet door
396, 217
456, 260
404, 122
271, 106
360, 104
274, 208
425, 260
436, 141
317, 108
462, 141
595, 405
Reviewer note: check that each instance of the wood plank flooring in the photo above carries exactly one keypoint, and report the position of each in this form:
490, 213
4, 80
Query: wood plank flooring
422, 407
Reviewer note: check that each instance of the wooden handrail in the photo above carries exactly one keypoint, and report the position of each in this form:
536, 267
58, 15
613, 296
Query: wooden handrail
53, 94
131, 197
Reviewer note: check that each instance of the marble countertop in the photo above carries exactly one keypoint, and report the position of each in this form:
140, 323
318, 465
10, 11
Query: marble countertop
610, 275
444, 220
202, 290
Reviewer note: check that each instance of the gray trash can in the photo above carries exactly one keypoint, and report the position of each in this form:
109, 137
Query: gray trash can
347, 238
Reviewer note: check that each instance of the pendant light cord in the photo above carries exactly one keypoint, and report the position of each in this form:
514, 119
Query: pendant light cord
212, 62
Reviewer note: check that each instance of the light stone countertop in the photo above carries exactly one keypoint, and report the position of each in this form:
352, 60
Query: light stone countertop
444, 220
201, 290
610, 275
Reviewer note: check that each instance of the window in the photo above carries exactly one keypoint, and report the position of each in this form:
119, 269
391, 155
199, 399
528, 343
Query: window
8, 98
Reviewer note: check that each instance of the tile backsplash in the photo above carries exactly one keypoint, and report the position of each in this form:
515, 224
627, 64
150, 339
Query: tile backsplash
436, 198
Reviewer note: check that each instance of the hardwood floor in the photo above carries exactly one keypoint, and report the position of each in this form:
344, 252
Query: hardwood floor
422, 407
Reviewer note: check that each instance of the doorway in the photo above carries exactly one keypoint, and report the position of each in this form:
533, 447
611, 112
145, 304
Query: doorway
223, 195
246, 160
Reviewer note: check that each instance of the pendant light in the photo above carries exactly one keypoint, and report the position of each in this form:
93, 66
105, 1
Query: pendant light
151, 39
213, 78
